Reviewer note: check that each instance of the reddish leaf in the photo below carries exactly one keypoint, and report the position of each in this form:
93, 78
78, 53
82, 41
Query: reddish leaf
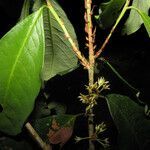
59, 135
55, 129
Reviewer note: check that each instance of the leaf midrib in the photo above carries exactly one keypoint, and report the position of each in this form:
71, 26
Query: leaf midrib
51, 34
19, 54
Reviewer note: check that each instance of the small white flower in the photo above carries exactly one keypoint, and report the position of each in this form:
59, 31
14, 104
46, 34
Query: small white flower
101, 82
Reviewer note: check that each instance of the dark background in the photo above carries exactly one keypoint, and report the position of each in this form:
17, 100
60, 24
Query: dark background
128, 54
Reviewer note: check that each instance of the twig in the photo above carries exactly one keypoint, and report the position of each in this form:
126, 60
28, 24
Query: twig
36, 137
113, 29
83, 60
89, 31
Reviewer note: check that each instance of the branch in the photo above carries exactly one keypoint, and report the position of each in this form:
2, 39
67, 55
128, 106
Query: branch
36, 137
113, 29
83, 60
90, 35
90, 39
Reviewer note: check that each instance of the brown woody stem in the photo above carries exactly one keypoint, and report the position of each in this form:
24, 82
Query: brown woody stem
89, 31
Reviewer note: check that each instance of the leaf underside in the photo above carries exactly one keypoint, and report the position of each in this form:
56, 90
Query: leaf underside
132, 124
59, 56
21, 59
134, 20
146, 20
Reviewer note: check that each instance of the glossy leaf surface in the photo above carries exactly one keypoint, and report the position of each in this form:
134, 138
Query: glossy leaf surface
21, 59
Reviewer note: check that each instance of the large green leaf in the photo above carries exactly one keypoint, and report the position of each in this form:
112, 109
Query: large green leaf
109, 12
59, 56
132, 124
21, 59
134, 21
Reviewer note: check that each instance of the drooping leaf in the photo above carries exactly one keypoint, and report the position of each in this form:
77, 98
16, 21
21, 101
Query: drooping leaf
55, 129
21, 59
59, 56
109, 12
131, 122
134, 21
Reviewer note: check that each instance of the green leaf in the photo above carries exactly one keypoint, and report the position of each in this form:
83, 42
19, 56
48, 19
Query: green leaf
109, 12
37, 4
59, 56
55, 129
131, 122
25, 10
21, 59
146, 20
134, 21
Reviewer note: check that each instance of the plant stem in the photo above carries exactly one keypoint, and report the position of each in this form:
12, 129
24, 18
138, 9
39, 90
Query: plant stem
36, 137
91, 129
113, 28
89, 27
89, 30
83, 60
132, 7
